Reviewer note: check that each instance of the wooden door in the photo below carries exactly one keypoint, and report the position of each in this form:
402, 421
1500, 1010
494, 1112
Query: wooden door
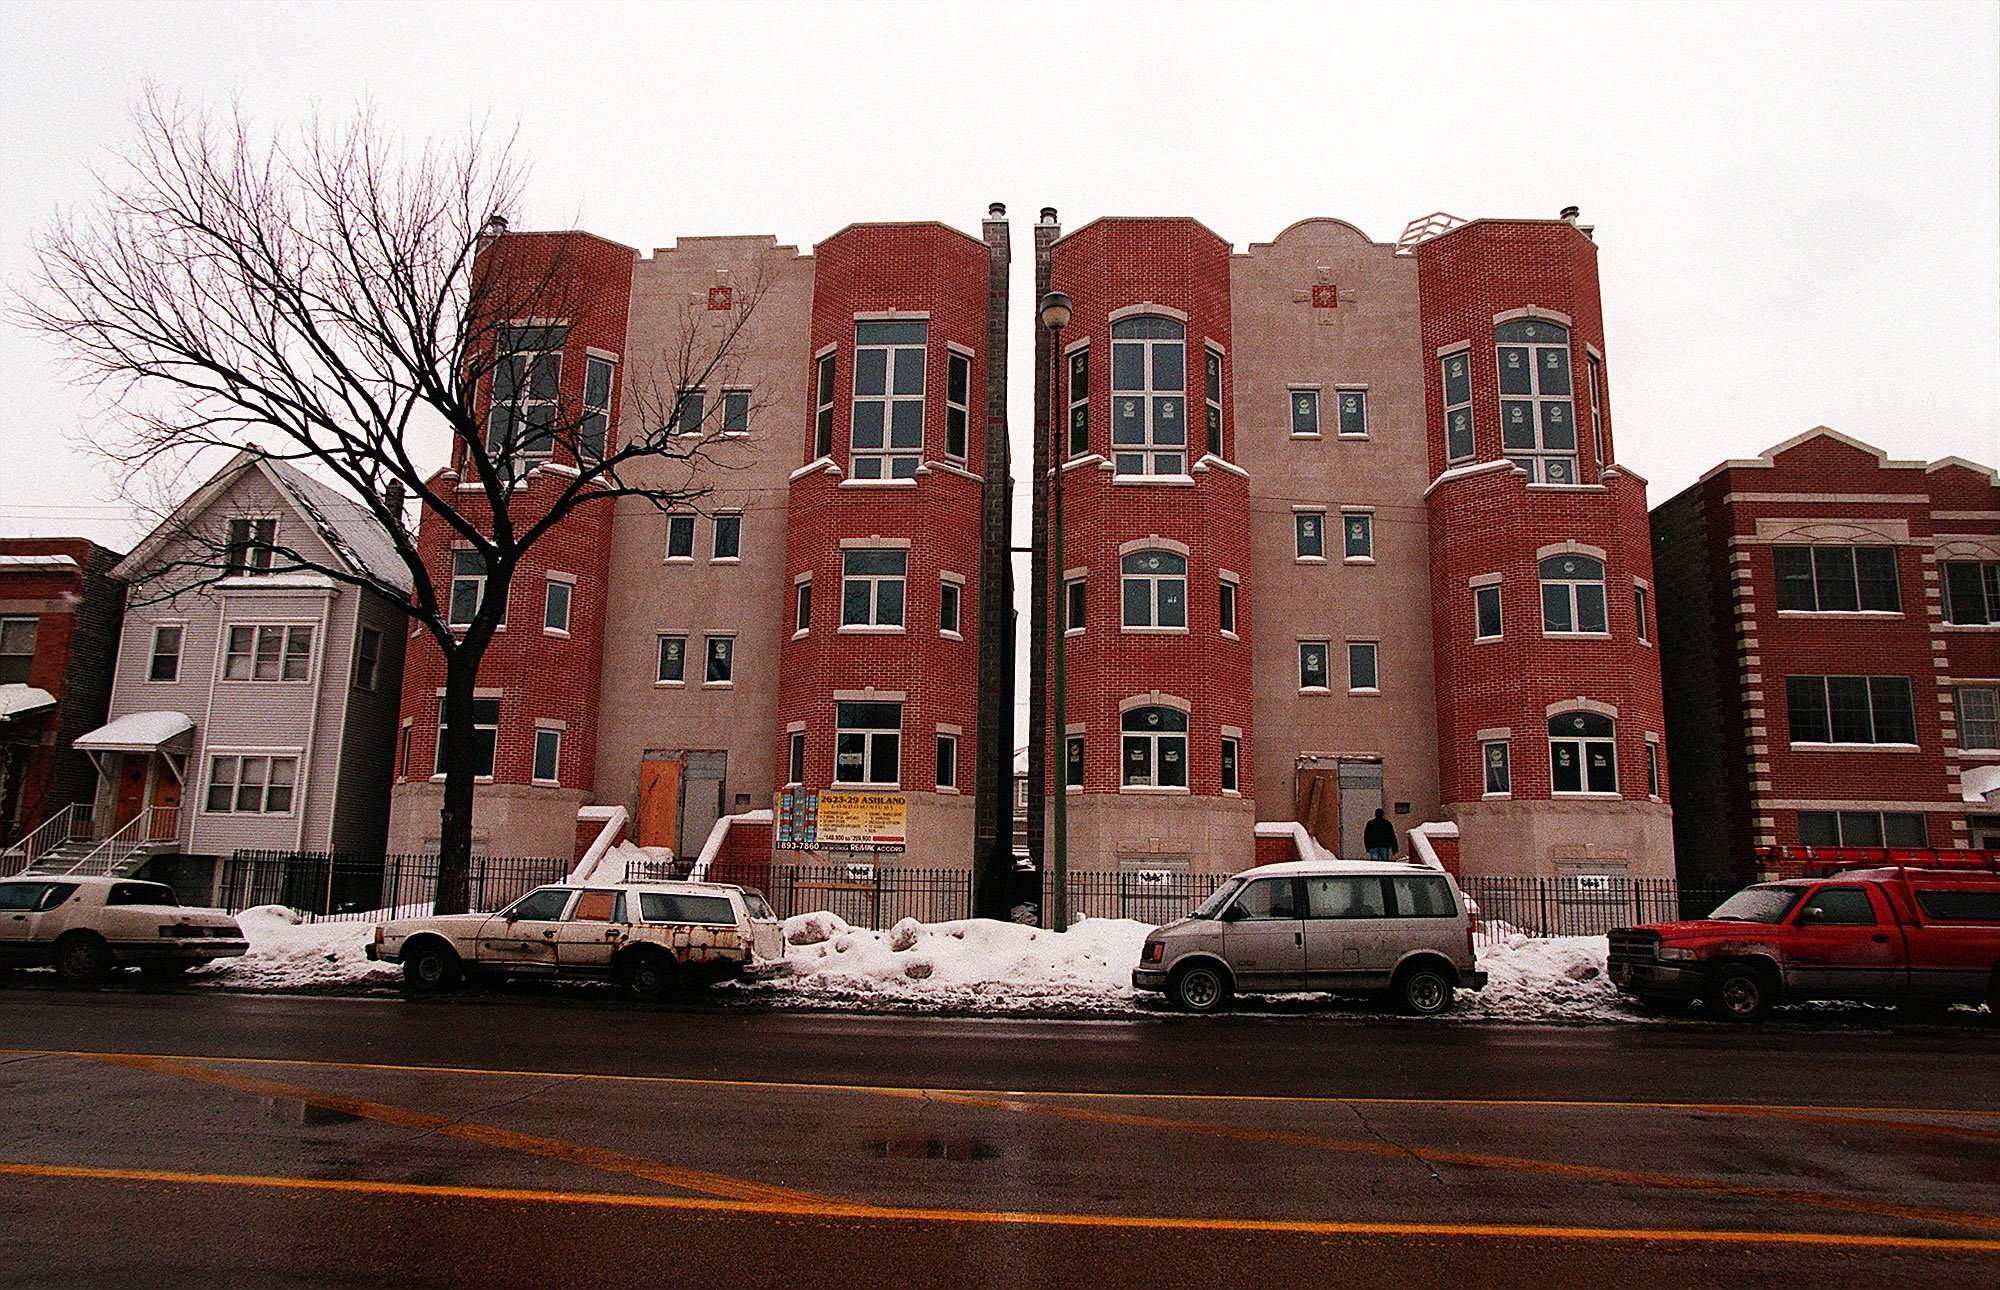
1317, 804
131, 794
167, 798
660, 801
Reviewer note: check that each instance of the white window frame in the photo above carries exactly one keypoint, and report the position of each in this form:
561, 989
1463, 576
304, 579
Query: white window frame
1346, 397
1583, 745
730, 522
1076, 604
824, 372
802, 589
1986, 698
282, 656
1230, 765
888, 460
1228, 595
1307, 646
240, 761
1157, 584
1348, 519
1154, 453
154, 654
1487, 766
549, 601
1571, 589
1211, 389
546, 734
735, 411
1372, 651
1302, 405
511, 414
1544, 463
684, 522
951, 595
1652, 768
1301, 517
850, 739
249, 545
1164, 747
1479, 592
480, 580
1460, 410
493, 755
1077, 371
875, 619
709, 654
947, 739
593, 430
795, 757
367, 663
957, 411
660, 640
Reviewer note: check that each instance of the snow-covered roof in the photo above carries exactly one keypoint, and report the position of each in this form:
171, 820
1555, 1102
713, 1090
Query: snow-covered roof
37, 562
1979, 783
17, 700
137, 732
346, 525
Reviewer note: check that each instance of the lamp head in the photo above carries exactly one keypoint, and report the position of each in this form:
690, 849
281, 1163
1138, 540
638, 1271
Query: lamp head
1055, 311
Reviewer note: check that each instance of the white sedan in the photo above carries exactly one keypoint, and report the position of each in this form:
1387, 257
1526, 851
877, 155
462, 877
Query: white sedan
85, 927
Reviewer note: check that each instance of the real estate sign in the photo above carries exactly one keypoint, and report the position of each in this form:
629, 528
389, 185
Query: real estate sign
862, 821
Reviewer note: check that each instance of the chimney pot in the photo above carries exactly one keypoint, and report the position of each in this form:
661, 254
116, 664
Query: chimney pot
1569, 214
1048, 214
998, 210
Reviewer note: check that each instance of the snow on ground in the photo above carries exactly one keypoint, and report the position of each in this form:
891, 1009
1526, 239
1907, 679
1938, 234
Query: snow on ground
972, 965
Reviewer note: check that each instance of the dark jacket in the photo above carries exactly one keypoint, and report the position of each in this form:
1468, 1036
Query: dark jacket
1379, 833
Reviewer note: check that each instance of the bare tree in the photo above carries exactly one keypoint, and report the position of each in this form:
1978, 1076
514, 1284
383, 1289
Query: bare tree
333, 298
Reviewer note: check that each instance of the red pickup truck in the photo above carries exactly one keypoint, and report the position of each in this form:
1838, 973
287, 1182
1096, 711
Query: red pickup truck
1923, 933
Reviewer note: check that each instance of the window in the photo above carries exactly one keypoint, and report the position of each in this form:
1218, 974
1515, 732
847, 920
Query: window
1212, 391
166, 657
485, 736
594, 430
728, 537
468, 588
555, 606
1486, 612
795, 769
680, 537
802, 605
949, 596
1155, 743
1850, 710
947, 761
1361, 666
823, 408
1583, 754
1073, 762
1840, 906
1353, 414
1358, 535
871, 589
268, 654
1599, 423
1978, 716
527, 373
403, 753
1074, 600
868, 740
719, 653
1229, 751
1652, 768
1305, 414
736, 412
1267, 898
17, 648
250, 546
1537, 417
1225, 608
1493, 757
1862, 829
1837, 579
669, 907
548, 756
673, 659
1422, 898
1148, 396
888, 433
599, 907
1639, 613
1079, 403
367, 658
1573, 595
957, 404
1456, 373
691, 412
1312, 665
252, 785
1155, 589
1309, 534
1972, 591
1345, 898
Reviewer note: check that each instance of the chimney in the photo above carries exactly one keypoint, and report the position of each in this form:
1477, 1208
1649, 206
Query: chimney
494, 229
998, 210
392, 499
1570, 214
1048, 214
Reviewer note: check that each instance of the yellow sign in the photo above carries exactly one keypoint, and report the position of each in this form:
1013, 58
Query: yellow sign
862, 821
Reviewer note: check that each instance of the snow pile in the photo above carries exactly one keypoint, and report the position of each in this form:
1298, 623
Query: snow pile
1545, 978
975, 963
286, 953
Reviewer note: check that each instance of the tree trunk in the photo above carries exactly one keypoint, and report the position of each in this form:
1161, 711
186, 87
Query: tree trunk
454, 862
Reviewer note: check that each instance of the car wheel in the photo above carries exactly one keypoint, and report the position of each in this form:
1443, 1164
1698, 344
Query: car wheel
1422, 991
82, 957
649, 976
431, 967
1740, 993
1199, 987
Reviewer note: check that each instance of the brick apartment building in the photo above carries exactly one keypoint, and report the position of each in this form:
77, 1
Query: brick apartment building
1833, 656
1344, 530
59, 615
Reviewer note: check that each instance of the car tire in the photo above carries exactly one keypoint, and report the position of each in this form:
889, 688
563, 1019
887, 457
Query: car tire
82, 957
1739, 992
649, 976
432, 967
1199, 987
1424, 990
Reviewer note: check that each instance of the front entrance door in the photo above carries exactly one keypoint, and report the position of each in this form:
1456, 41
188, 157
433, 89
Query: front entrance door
680, 798
167, 804
129, 796
660, 800
1360, 798
1317, 804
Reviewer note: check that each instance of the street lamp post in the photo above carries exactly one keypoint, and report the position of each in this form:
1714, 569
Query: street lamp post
1055, 316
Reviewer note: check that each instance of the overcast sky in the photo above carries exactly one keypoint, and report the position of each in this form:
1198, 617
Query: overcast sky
1796, 204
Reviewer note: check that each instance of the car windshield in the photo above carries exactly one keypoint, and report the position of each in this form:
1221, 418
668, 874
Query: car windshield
1223, 894
1757, 905
759, 907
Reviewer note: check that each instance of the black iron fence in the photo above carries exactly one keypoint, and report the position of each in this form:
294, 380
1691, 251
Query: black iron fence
1586, 904
339, 885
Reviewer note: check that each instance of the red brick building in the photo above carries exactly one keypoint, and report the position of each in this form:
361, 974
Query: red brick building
1833, 653
59, 616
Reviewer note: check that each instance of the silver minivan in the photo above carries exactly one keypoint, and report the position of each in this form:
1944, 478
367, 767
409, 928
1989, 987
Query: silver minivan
1345, 926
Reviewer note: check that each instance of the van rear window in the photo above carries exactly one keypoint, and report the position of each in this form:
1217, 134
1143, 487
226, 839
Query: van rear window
675, 907
1423, 898
1960, 905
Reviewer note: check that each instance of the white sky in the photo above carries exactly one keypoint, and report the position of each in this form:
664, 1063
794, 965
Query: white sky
1796, 204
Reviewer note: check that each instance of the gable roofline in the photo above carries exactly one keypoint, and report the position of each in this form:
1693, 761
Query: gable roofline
315, 504
1942, 463
1767, 459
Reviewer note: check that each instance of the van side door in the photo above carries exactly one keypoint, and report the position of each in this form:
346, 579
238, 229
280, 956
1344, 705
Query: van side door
592, 933
1263, 936
1350, 936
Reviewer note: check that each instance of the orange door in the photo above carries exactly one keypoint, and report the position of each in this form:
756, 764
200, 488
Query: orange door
167, 798
131, 789
1318, 805
659, 801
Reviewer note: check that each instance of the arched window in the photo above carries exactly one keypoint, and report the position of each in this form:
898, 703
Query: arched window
1537, 411
1149, 396
1573, 595
1583, 753
1155, 589
1155, 741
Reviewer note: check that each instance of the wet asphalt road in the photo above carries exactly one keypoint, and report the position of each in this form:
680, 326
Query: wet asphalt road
183, 1136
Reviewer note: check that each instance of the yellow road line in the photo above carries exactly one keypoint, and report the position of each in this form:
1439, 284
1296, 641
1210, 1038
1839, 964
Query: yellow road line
808, 1086
1164, 1223
618, 1162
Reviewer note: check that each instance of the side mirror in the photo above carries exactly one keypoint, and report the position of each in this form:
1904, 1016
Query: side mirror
1233, 914
510, 916
1811, 914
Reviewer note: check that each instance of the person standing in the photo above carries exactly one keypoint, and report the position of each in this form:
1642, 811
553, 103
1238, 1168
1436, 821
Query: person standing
1379, 837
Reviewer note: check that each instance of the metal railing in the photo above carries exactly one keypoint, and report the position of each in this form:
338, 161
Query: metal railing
335, 886
71, 823
1586, 904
